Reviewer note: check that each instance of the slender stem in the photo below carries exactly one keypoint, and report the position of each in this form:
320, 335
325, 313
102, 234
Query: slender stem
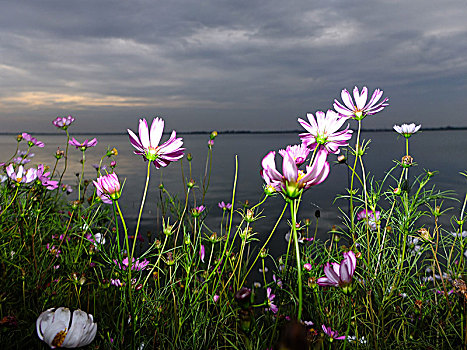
293, 213
351, 208
140, 211
266, 242
66, 155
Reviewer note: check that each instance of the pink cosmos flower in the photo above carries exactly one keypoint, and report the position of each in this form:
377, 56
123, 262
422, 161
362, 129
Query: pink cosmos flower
195, 212
63, 122
407, 130
108, 188
224, 206
216, 298
373, 217
270, 298
20, 176
360, 110
297, 152
339, 275
293, 181
82, 146
22, 157
32, 141
147, 144
44, 178
307, 266
332, 334
323, 131
136, 265
67, 188
202, 253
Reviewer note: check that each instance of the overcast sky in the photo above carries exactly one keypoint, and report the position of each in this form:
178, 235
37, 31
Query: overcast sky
213, 64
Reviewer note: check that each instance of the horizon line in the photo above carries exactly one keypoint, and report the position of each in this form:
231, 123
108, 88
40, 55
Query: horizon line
227, 132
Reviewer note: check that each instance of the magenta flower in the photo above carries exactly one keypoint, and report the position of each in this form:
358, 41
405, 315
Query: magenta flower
44, 178
20, 176
332, 334
136, 265
270, 298
216, 298
107, 188
360, 110
373, 217
224, 206
195, 212
407, 130
22, 157
323, 131
339, 275
202, 253
307, 266
82, 146
53, 250
294, 181
147, 144
116, 282
32, 141
63, 122
67, 188
297, 152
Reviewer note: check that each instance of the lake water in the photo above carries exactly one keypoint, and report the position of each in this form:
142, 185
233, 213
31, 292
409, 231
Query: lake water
443, 151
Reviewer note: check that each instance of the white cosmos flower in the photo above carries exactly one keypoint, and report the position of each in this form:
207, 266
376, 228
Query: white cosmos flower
61, 330
406, 130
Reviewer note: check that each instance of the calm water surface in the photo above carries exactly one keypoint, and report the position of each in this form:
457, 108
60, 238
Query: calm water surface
443, 151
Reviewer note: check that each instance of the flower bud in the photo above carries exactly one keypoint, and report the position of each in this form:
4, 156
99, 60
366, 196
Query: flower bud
113, 164
191, 183
19, 138
213, 135
250, 215
189, 157
341, 159
263, 253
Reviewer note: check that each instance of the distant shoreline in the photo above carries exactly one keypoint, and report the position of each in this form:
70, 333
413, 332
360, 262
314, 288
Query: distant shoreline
236, 132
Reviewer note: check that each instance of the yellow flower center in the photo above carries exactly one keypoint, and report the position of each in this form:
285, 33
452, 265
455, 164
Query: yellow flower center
300, 176
19, 179
59, 338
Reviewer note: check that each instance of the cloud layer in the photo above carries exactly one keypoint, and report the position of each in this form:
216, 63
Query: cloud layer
244, 65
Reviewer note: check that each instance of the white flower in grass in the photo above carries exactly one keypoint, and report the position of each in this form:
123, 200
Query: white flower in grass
59, 329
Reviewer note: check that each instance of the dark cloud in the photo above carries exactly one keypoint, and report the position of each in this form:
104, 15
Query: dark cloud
228, 64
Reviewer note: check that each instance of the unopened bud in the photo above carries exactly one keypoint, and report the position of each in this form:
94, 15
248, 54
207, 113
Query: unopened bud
341, 159
213, 135
189, 157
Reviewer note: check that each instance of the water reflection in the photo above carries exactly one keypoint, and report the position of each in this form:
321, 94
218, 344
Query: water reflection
443, 151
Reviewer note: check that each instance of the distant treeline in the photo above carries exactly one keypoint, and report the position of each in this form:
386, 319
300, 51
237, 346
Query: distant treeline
254, 132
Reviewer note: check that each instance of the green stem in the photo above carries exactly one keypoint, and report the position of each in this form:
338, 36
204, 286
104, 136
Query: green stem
351, 209
293, 213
